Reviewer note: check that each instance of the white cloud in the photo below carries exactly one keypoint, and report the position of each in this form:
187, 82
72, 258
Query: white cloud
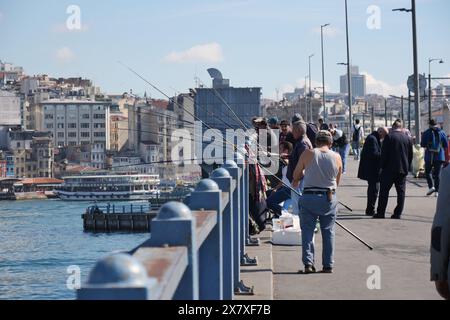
64, 54
299, 83
329, 31
210, 52
62, 28
384, 88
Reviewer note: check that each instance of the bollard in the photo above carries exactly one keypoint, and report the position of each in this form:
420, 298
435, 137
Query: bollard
207, 196
175, 226
222, 177
236, 174
118, 277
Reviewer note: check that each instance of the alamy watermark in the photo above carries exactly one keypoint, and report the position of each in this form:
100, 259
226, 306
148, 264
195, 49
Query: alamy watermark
73, 281
215, 147
73, 22
374, 280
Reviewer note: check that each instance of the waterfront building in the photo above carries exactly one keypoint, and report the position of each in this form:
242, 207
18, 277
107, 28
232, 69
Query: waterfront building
32, 154
77, 123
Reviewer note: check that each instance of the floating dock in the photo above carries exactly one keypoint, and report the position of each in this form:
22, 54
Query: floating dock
112, 218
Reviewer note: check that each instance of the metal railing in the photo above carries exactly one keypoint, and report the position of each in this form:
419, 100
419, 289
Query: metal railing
195, 251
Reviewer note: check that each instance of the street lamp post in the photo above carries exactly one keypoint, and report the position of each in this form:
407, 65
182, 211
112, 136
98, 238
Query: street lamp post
310, 90
349, 75
429, 85
416, 68
323, 73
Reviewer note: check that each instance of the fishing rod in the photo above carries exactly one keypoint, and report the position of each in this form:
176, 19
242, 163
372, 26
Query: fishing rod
238, 150
231, 109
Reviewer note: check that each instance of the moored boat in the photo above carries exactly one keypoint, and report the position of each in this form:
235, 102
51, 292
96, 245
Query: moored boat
108, 188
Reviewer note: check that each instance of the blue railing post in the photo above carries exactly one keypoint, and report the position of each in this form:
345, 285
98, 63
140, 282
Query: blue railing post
207, 196
118, 277
226, 184
175, 226
236, 174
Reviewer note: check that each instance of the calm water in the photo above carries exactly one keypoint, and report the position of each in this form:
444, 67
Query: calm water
40, 239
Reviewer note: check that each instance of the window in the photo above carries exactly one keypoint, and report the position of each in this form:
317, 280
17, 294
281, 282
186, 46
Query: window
60, 134
85, 126
72, 134
99, 125
49, 126
99, 134
99, 116
85, 116
18, 144
72, 143
48, 117
60, 125
72, 125
85, 135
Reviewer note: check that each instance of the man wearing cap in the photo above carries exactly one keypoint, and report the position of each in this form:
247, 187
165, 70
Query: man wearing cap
321, 171
284, 131
273, 123
302, 143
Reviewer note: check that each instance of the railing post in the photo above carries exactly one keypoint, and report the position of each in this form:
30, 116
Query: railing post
118, 277
236, 174
175, 226
226, 184
207, 196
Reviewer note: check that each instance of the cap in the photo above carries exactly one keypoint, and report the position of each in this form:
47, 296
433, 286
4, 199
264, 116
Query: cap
297, 117
273, 121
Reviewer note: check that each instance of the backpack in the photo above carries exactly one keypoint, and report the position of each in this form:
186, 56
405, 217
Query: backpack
435, 144
311, 133
356, 134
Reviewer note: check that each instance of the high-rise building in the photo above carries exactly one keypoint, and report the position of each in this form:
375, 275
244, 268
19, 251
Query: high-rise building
358, 83
212, 105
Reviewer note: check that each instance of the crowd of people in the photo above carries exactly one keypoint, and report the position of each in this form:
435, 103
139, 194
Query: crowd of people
312, 160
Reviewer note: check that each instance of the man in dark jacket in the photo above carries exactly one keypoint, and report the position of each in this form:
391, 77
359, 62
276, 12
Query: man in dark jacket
370, 167
396, 159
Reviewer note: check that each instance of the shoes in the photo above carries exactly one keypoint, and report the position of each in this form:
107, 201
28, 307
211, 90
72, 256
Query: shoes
370, 214
396, 217
436, 194
378, 216
327, 270
431, 191
309, 270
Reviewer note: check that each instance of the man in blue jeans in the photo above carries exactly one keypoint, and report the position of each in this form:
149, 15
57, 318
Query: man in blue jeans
435, 142
321, 171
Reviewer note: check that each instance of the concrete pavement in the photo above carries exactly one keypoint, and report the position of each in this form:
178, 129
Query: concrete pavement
400, 255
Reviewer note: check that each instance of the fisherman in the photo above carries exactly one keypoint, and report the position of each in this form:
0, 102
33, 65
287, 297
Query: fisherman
302, 143
321, 170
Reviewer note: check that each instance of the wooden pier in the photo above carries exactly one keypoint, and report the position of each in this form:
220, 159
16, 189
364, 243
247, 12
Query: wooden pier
112, 218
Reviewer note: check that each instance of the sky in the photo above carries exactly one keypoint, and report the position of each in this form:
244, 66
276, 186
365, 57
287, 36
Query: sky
262, 43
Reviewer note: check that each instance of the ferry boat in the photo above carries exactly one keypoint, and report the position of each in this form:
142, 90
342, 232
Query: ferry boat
108, 188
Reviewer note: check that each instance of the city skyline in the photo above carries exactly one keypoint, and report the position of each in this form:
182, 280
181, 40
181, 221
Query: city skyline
252, 43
